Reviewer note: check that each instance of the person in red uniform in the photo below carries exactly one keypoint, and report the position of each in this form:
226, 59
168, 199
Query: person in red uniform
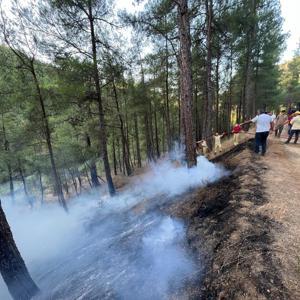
236, 133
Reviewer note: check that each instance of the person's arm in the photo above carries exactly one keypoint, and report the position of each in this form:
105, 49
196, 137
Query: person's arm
250, 121
292, 121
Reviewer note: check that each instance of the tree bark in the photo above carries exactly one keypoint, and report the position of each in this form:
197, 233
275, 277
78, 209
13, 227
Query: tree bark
149, 144
28, 198
217, 89
102, 135
41, 186
167, 102
114, 155
80, 182
119, 156
230, 92
12, 266
208, 103
137, 141
87, 176
9, 169
186, 82
93, 168
249, 104
156, 134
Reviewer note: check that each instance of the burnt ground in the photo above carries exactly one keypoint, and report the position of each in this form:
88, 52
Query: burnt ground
235, 236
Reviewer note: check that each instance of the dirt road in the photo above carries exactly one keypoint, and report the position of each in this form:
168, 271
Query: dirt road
245, 230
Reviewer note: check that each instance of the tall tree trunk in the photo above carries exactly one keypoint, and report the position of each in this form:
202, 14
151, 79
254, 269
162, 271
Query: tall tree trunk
12, 266
11, 182
137, 141
149, 144
23, 178
156, 134
9, 169
217, 90
80, 182
249, 106
163, 136
87, 176
93, 168
73, 177
114, 155
197, 115
180, 134
208, 102
186, 81
230, 92
119, 156
29, 199
125, 143
41, 186
248, 82
102, 135
65, 181
57, 181
167, 101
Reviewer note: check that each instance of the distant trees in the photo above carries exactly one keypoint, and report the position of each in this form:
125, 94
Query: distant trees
23, 44
12, 266
73, 90
84, 16
290, 80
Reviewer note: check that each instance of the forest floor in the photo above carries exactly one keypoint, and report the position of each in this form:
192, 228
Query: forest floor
245, 229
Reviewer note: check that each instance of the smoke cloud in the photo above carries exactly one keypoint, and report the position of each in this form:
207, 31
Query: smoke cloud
116, 248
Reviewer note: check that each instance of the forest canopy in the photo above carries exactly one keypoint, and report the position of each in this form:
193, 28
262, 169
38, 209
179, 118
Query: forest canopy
88, 92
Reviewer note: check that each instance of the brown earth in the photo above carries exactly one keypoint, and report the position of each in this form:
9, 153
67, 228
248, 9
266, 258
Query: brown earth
244, 230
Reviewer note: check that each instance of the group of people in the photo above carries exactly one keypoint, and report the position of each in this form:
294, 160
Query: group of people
265, 123
202, 147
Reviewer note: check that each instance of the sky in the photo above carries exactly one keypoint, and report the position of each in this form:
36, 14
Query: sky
291, 14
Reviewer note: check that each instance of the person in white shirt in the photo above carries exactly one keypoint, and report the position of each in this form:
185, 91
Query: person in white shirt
202, 145
217, 140
264, 124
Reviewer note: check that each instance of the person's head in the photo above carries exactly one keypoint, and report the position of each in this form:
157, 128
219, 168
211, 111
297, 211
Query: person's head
236, 124
217, 133
283, 111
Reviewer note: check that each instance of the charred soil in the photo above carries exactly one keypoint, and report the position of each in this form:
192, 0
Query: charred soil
233, 237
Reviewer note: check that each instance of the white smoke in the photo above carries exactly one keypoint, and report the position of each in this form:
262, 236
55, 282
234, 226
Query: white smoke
111, 251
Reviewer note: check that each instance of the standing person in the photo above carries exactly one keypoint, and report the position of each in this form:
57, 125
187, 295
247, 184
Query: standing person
218, 145
280, 121
295, 129
264, 124
236, 133
290, 117
273, 116
202, 145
